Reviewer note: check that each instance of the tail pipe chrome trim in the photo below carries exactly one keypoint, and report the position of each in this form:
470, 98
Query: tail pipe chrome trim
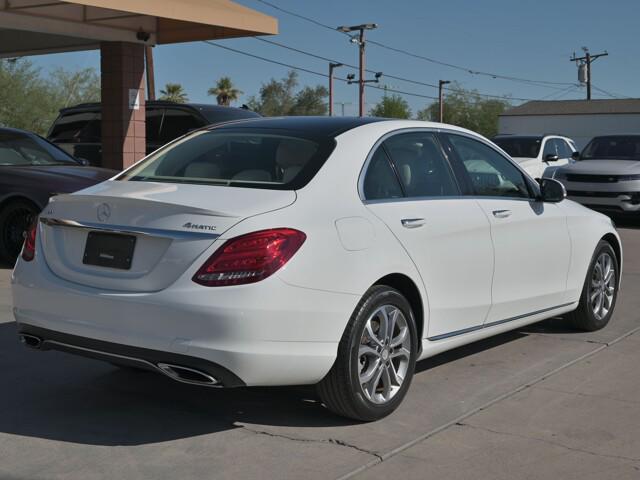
31, 341
178, 373
187, 375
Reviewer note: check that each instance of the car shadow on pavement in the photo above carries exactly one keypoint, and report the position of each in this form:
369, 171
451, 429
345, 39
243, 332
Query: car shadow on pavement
53, 395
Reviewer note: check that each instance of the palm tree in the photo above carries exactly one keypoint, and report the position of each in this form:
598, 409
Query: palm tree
174, 92
225, 92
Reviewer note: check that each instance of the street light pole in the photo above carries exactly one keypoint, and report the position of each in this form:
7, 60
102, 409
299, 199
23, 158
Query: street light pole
359, 39
441, 84
332, 66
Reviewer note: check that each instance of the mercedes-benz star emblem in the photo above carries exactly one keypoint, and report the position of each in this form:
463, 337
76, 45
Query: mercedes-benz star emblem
104, 212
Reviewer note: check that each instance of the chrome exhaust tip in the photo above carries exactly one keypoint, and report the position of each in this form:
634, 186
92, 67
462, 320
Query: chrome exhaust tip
187, 375
31, 341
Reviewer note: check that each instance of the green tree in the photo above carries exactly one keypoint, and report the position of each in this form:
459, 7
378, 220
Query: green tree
282, 97
391, 106
31, 102
225, 92
174, 92
468, 109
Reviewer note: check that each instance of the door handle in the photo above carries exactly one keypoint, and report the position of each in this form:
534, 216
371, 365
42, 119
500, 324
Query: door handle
502, 213
412, 222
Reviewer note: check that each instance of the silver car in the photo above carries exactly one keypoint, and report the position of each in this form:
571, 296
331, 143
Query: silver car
607, 177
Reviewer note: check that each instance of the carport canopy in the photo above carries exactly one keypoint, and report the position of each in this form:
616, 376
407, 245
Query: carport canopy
29, 27
123, 30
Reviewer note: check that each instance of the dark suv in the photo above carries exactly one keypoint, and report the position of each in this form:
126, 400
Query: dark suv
78, 129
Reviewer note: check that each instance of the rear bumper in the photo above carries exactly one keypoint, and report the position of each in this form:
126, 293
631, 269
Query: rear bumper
268, 333
134, 356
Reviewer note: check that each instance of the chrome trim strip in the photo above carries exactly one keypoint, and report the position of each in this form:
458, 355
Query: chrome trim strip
493, 324
156, 232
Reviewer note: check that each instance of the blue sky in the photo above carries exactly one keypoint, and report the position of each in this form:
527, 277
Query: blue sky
532, 39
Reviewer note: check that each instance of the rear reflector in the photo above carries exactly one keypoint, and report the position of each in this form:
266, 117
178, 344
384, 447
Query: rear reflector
29, 247
250, 258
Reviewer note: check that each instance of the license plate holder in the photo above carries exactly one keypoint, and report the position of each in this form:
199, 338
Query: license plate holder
111, 250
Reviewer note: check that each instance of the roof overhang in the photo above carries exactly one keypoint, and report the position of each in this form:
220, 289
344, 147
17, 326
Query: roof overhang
29, 27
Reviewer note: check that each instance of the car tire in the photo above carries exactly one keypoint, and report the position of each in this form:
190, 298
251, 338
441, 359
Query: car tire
365, 350
15, 218
599, 295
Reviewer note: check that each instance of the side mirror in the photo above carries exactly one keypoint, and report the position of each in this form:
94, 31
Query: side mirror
551, 158
552, 191
575, 156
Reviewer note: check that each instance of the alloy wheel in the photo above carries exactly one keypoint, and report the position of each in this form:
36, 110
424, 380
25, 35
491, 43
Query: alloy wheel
384, 354
602, 286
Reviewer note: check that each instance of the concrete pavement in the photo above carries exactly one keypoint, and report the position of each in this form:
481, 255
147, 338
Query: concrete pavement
538, 403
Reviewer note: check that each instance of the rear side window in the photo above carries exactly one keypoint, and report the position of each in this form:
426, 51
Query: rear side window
422, 168
77, 127
245, 157
380, 181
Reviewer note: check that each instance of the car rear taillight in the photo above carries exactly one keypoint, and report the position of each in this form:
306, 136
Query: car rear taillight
29, 247
250, 258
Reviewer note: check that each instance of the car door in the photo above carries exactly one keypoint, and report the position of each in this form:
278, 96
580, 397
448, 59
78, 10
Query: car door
410, 186
530, 238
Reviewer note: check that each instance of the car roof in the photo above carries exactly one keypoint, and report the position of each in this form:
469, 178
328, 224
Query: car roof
97, 106
320, 126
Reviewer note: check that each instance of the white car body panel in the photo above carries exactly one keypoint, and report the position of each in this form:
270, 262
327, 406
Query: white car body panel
285, 329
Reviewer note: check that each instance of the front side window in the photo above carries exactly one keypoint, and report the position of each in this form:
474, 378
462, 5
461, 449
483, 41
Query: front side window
549, 148
491, 174
254, 158
420, 164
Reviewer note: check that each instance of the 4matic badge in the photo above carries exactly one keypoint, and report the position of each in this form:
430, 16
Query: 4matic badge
198, 226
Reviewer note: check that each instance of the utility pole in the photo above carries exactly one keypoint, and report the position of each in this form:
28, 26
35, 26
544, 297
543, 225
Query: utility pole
359, 39
587, 60
332, 66
441, 84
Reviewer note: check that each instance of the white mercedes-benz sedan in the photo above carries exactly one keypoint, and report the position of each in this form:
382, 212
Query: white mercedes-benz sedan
336, 251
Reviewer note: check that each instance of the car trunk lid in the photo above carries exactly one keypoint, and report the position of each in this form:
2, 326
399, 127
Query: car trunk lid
167, 227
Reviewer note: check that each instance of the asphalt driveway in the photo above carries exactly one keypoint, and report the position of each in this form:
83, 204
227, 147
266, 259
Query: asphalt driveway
544, 402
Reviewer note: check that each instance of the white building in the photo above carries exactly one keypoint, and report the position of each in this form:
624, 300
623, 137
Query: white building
580, 120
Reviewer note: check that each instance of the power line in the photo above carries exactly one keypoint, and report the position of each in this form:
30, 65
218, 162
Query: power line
395, 77
313, 72
418, 56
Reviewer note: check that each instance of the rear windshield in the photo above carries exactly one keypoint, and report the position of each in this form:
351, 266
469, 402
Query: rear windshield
526, 147
77, 127
613, 148
254, 158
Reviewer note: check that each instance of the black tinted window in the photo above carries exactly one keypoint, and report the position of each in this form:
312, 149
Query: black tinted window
523, 147
176, 123
154, 121
549, 148
78, 127
380, 180
613, 147
490, 173
421, 166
